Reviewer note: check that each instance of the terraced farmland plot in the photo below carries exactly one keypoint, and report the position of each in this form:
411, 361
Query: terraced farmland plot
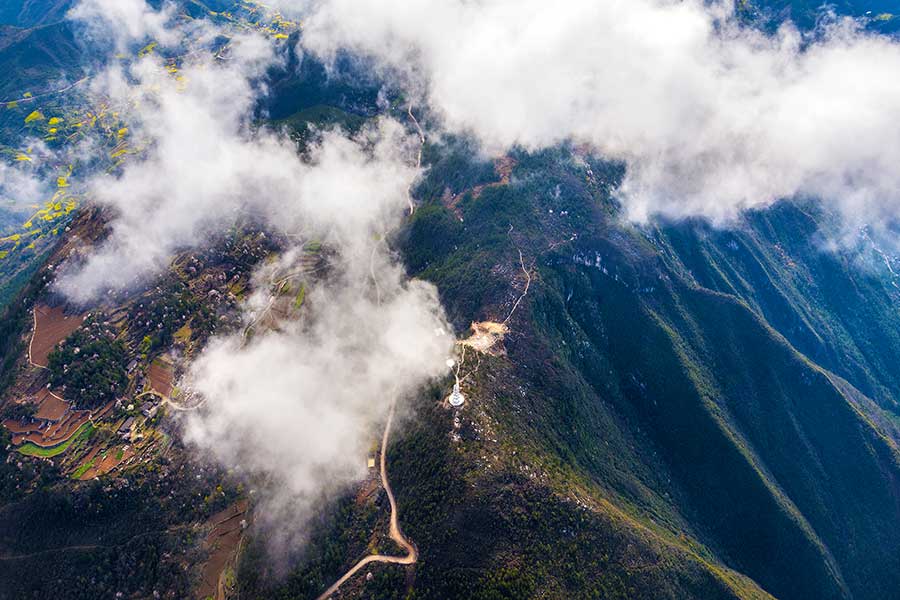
96, 463
50, 406
51, 326
161, 377
222, 543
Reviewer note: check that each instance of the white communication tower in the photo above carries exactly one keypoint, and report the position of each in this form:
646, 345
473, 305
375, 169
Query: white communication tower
456, 398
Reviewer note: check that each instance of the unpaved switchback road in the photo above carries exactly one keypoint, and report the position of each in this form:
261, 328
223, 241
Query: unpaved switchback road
396, 533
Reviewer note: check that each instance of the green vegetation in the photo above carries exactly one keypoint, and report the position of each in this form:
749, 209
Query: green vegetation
14, 318
80, 471
90, 366
83, 433
304, 122
301, 295
166, 311
663, 423
18, 412
451, 168
831, 306
15, 273
805, 13
230, 578
27, 13
342, 535
645, 371
18, 476
39, 58
129, 539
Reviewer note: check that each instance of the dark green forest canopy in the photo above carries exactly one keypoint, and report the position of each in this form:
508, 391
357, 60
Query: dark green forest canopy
89, 366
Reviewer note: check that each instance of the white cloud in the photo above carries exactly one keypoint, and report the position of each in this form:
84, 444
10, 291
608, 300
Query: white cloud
298, 408
205, 164
711, 117
303, 406
21, 188
128, 21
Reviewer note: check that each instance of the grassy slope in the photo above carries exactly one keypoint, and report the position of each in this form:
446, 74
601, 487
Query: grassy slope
676, 403
491, 529
551, 492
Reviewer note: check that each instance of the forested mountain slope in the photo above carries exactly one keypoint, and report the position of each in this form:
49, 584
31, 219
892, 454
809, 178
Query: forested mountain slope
676, 411
700, 377
658, 410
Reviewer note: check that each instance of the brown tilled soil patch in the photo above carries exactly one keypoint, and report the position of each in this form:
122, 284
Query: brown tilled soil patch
222, 543
50, 406
105, 463
52, 325
56, 433
16, 427
54, 422
51, 412
161, 377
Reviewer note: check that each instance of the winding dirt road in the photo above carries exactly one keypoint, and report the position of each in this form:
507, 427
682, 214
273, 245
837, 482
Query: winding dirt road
396, 533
